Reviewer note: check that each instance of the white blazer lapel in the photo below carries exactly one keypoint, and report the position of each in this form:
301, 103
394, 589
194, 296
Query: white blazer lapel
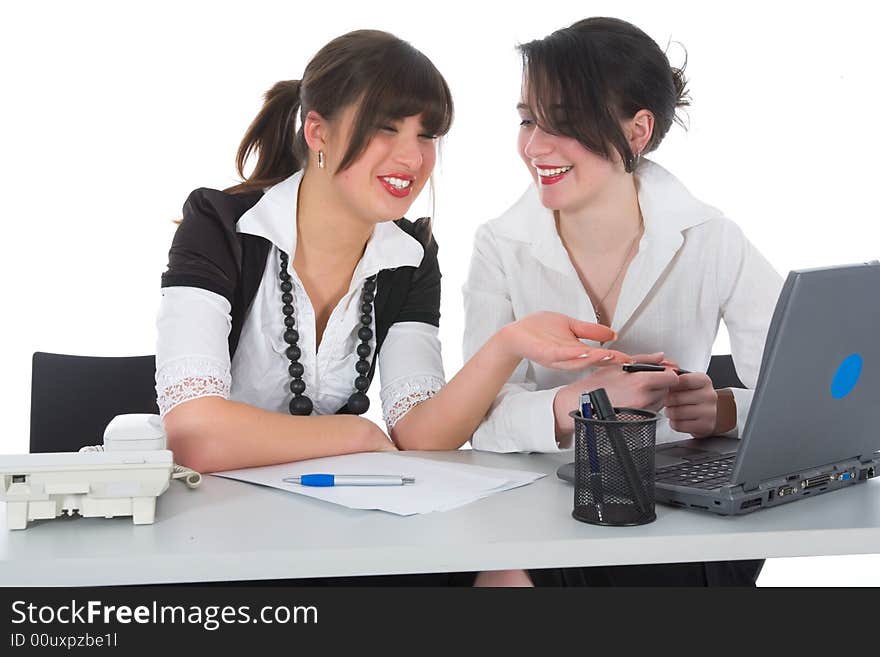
655, 254
668, 209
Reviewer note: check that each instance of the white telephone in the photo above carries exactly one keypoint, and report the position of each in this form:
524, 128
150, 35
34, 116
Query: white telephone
122, 477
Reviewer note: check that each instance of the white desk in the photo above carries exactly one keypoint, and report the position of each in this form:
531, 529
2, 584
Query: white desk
229, 530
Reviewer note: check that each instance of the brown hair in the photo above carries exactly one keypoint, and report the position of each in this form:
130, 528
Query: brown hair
584, 79
388, 78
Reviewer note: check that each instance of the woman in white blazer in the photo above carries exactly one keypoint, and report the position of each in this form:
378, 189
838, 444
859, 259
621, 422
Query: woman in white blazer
606, 235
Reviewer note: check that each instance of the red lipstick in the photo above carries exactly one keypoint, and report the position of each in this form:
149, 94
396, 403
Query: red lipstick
397, 192
550, 180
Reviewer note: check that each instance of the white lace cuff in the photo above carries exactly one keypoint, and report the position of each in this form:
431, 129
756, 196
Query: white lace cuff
399, 397
189, 378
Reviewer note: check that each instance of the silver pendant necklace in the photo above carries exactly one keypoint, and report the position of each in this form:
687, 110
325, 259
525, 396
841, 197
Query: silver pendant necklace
626, 258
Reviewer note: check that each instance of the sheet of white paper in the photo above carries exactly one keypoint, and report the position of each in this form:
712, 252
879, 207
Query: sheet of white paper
439, 486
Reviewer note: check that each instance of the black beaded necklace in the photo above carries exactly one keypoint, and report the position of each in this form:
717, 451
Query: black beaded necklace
358, 402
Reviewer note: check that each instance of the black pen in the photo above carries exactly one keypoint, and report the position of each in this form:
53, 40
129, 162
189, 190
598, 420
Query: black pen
605, 411
649, 367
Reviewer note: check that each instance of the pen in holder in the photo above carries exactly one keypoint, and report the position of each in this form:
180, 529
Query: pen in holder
595, 472
614, 464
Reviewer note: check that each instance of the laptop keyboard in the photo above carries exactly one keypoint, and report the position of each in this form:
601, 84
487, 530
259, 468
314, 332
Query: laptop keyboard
707, 475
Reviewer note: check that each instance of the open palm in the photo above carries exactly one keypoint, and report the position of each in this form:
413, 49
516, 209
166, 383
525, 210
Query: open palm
553, 340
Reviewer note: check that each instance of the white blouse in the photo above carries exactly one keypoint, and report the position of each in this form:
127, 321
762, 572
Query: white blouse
192, 353
694, 267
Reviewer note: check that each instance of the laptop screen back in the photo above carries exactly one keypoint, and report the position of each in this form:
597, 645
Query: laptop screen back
817, 400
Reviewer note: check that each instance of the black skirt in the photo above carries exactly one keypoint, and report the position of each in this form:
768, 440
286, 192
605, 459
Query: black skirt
711, 573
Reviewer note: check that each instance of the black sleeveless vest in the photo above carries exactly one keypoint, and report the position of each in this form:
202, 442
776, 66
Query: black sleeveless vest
207, 252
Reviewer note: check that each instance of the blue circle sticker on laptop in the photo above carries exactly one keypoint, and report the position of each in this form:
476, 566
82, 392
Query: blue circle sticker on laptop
847, 376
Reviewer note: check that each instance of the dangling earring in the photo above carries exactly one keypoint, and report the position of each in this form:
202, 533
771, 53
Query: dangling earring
320, 159
636, 159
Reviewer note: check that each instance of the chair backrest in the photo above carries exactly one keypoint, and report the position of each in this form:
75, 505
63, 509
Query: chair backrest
723, 373
73, 398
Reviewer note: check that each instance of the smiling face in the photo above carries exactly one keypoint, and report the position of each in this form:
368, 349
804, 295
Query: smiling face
382, 183
569, 177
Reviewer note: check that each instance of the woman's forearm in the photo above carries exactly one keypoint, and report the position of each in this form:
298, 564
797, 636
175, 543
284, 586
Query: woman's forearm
212, 434
725, 417
447, 420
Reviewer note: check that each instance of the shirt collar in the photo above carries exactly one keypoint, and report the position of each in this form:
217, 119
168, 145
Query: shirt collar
668, 209
273, 217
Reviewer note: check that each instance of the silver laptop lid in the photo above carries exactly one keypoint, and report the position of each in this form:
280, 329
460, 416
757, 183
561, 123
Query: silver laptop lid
817, 400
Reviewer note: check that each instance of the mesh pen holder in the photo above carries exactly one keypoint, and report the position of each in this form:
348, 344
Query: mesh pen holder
614, 468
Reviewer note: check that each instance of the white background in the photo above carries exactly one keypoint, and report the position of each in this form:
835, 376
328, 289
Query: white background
113, 112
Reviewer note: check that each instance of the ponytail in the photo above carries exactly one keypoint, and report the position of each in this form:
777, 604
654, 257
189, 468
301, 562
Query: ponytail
387, 77
273, 137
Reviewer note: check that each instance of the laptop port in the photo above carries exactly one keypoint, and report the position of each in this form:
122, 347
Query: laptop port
748, 504
867, 473
845, 476
813, 482
19, 479
785, 490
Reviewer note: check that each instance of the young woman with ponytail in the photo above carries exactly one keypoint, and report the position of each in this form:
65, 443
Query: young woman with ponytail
285, 293
605, 234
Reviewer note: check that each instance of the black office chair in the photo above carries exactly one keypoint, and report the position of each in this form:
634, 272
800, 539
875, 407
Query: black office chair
73, 398
723, 373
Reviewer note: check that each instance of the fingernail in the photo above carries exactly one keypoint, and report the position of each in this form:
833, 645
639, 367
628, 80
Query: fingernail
606, 358
583, 355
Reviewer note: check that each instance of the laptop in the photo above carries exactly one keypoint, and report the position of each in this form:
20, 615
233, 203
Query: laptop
813, 426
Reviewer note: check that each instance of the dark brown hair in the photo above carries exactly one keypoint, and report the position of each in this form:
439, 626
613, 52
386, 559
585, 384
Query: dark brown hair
388, 78
583, 80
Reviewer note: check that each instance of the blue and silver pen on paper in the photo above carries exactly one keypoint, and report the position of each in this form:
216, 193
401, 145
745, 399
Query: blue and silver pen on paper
327, 480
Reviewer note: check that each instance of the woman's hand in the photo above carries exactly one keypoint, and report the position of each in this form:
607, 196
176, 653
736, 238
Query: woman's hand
647, 390
549, 339
692, 405
553, 340
372, 438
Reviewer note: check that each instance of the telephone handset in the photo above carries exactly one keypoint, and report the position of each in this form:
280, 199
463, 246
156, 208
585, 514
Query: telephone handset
123, 477
141, 432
